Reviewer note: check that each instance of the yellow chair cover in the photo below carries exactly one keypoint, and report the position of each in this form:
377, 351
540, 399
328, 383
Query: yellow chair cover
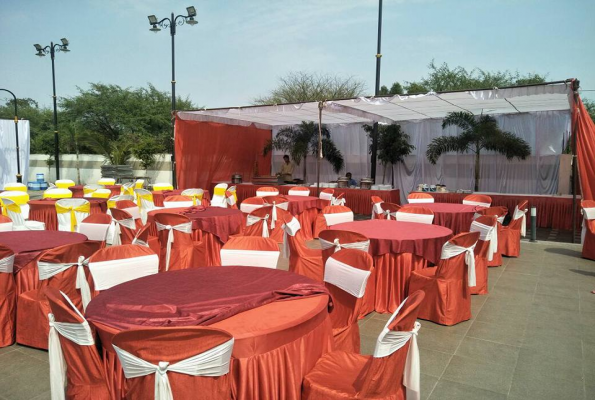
64, 183
85, 208
163, 186
57, 193
139, 183
101, 194
21, 198
19, 187
14, 207
106, 181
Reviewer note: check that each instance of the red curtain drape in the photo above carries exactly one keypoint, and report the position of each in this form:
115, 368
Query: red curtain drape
210, 151
585, 148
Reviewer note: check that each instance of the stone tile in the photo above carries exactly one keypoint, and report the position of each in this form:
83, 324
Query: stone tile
567, 368
531, 385
483, 350
446, 390
427, 385
27, 383
554, 290
524, 266
41, 355
589, 361
444, 342
552, 342
44, 396
372, 327
433, 362
495, 312
381, 317
551, 279
461, 328
590, 391
561, 303
506, 295
517, 281
13, 362
479, 373
8, 349
510, 334
367, 344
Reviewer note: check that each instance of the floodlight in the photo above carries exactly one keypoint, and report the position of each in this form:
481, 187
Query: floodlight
191, 11
37, 47
152, 19
64, 41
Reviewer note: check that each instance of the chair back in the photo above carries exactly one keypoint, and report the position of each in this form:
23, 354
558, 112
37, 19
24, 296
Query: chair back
231, 197
376, 206
106, 181
174, 234
499, 211
71, 212
387, 211
416, 197
332, 241
177, 201
130, 207
124, 228
278, 201
57, 193
111, 203
457, 260
326, 194
13, 211
334, 215
64, 183
139, 183
114, 265
101, 194
195, 194
19, 197
5, 224
478, 200
142, 236
6, 260
144, 201
95, 227
162, 186
127, 189
299, 191
339, 200
419, 214
219, 199
250, 251
263, 221
519, 218
487, 245
266, 191
88, 189
199, 358
251, 204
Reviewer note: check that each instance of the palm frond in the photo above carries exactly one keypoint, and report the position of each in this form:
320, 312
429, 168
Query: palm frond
446, 144
462, 119
508, 144
332, 154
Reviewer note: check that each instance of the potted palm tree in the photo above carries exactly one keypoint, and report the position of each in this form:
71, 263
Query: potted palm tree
478, 133
393, 145
301, 140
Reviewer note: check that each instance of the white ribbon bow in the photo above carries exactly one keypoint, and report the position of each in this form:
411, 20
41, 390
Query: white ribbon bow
139, 242
450, 250
521, 214
251, 220
127, 223
47, 270
186, 227
289, 228
487, 233
363, 246
7, 264
213, 362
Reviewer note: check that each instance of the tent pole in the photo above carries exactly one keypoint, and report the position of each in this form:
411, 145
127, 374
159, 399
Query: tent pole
376, 93
575, 87
319, 155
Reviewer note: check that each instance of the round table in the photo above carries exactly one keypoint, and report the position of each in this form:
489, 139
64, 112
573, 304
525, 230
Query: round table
456, 217
45, 211
77, 190
305, 209
27, 245
279, 321
398, 248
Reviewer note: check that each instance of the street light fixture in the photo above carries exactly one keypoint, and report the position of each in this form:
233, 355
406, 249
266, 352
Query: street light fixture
41, 52
171, 23
16, 131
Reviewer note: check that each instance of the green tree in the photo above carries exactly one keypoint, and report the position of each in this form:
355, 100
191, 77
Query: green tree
590, 106
478, 133
393, 145
302, 86
301, 140
395, 89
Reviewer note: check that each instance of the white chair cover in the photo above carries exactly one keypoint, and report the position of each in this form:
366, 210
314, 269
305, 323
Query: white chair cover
345, 277
144, 200
46, 270
338, 218
416, 201
213, 362
186, 227
230, 196
476, 203
419, 218
134, 212
219, 199
325, 196
521, 214
94, 231
64, 219
390, 341
487, 233
588, 214
252, 219
7, 265
376, 209
363, 246
290, 228
6, 226
248, 208
77, 333
18, 220
261, 193
299, 192
107, 274
249, 258
450, 250
338, 202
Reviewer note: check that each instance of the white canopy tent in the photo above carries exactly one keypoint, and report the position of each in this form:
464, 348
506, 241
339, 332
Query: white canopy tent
8, 152
540, 114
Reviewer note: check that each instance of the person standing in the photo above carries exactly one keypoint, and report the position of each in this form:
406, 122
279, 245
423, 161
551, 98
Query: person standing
286, 170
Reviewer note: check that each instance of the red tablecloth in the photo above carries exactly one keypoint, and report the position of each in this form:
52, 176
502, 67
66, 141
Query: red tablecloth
160, 195
299, 204
77, 190
552, 211
456, 217
45, 211
356, 199
279, 321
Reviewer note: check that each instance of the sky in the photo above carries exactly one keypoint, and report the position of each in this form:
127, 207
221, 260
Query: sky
239, 49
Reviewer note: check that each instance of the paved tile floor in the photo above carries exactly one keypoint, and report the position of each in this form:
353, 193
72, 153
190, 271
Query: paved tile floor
532, 337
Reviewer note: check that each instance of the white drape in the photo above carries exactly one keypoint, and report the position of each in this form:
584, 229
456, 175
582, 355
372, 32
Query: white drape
8, 153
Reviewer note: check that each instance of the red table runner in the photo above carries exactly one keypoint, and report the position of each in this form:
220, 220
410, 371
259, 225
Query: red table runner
45, 211
77, 190
456, 217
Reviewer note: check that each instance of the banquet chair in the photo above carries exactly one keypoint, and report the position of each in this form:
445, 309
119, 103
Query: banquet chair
332, 215
162, 186
64, 183
251, 203
509, 237
71, 212
487, 245
478, 200
101, 194
20, 198
115, 265
250, 251
332, 241
196, 195
414, 198
8, 297
278, 201
299, 191
392, 372
111, 202
177, 201
144, 201
139, 184
131, 208
125, 227
346, 274
219, 199
302, 259
106, 181
326, 194
127, 189
231, 197
448, 298
178, 250
388, 211
62, 268
13, 211
143, 238
5, 224
376, 206
266, 191
266, 222
419, 214
588, 231
15, 186
339, 200
73, 355
96, 227
190, 362
57, 193
89, 189
500, 213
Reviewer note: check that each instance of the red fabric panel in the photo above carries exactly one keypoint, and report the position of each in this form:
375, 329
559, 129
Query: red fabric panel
456, 217
585, 148
44, 210
209, 151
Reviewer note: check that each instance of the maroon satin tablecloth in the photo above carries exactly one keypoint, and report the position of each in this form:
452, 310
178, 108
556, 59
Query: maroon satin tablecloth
160, 195
77, 190
299, 204
456, 217
45, 211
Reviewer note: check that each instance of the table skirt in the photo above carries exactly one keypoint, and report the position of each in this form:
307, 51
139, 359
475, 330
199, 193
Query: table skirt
46, 213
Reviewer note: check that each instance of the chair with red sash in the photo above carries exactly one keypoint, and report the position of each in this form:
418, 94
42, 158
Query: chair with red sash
388, 211
175, 363
62, 268
478, 200
111, 203
8, 297
588, 231
266, 191
143, 238
95, 227
279, 201
266, 222
487, 245
509, 237
178, 249
392, 372
125, 227
5, 224
177, 201
332, 215
326, 194
419, 214
73, 356
448, 298
250, 251
231, 197
299, 191
376, 206
339, 200
302, 259
346, 274
500, 213
251, 203
131, 208
417, 197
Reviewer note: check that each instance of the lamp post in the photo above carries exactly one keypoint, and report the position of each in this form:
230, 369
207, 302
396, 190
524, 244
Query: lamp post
171, 23
376, 92
16, 131
41, 52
